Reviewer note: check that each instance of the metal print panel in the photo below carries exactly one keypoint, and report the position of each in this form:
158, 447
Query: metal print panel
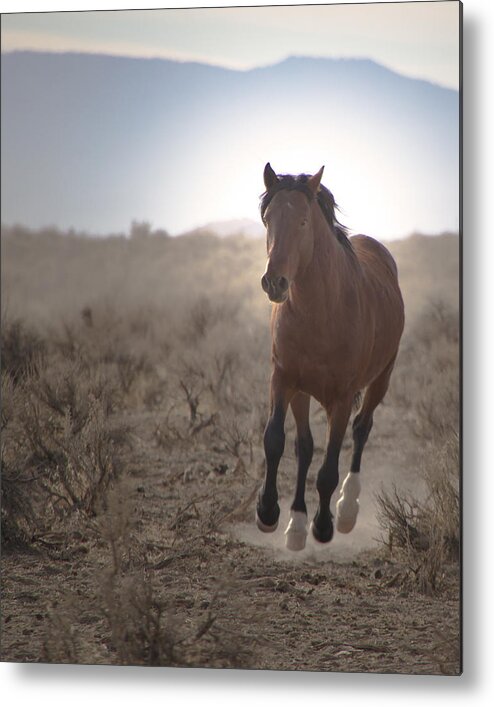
230, 338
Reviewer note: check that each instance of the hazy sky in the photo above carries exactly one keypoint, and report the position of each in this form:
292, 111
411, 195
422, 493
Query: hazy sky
419, 39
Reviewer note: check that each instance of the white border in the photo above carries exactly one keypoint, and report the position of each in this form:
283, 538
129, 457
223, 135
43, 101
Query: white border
81, 685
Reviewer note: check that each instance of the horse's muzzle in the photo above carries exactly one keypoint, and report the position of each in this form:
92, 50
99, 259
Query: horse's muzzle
276, 288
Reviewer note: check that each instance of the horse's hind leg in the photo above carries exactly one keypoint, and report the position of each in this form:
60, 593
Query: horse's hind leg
347, 506
327, 478
268, 510
296, 532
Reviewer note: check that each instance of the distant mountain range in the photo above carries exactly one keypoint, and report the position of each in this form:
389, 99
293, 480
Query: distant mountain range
93, 142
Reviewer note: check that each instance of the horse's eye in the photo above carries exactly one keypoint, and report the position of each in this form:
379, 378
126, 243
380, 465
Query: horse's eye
304, 222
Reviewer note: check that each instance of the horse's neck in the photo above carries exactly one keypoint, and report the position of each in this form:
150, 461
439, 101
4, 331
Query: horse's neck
328, 274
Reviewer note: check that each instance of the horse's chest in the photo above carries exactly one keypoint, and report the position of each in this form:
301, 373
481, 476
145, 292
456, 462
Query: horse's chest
310, 356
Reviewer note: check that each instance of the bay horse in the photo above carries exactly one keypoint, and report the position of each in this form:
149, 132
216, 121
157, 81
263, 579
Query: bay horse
336, 325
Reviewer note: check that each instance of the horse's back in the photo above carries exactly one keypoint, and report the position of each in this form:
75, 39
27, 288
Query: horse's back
379, 270
374, 257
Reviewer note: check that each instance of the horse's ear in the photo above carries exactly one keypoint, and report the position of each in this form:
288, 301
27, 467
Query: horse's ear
270, 177
314, 182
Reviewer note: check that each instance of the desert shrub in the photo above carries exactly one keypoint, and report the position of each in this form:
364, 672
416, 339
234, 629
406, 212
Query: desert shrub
426, 533
426, 377
149, 620
426, 384
61, 642
216, 375
148, 628
441, 473
142, 631
17, 502
104, 337
61, 445
22, 348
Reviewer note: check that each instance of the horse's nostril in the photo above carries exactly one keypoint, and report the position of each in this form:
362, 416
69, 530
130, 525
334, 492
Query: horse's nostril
274, 286
283, 284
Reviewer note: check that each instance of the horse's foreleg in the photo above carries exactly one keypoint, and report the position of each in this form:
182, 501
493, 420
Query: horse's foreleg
296, 532
327, 478
268, 510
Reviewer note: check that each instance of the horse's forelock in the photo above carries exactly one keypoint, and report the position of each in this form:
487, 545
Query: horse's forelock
325, 199
286, 182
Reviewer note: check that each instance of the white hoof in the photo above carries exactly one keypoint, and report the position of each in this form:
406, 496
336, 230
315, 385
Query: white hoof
348, 506
265, 528
296, 531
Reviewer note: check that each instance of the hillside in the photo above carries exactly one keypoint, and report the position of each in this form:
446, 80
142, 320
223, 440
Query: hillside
92, 142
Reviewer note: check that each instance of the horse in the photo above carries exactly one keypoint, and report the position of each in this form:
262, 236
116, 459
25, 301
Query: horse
336, 323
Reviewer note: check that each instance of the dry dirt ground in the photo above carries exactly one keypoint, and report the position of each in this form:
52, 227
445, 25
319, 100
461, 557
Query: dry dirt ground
174, 572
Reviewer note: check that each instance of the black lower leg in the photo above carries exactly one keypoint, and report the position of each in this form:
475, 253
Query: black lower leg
361, 430
268, 509
327, 481
304, 448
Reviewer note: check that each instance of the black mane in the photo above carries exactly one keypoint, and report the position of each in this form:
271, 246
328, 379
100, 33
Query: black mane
325, 199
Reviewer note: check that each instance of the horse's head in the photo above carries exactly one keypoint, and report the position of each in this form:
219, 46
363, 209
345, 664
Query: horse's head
287, 215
